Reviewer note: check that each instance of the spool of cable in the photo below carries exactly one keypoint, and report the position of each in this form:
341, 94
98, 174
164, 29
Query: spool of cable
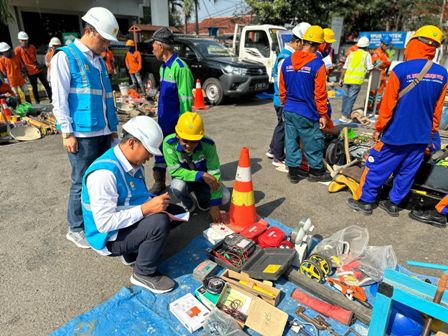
214, 285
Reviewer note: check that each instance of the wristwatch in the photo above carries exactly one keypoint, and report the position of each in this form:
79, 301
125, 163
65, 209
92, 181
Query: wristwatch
66, 135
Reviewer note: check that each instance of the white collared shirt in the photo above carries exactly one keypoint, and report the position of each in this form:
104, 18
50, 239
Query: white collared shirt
103, 193
60, 85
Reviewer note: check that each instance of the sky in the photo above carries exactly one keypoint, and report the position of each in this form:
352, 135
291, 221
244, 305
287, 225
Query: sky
216, 8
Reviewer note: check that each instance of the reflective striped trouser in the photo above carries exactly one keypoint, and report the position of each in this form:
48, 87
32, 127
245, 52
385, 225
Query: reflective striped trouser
385, 160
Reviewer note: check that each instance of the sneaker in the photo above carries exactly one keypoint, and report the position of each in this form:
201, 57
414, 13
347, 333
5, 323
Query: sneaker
345, 120
283, 169
431, 217
391, 208
360, 206
293, 175
156, 283
319, 175
78, 238
128, 259
269, 154
278, 163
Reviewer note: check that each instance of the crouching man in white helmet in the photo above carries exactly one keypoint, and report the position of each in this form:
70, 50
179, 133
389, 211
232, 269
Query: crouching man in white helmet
84, 106
121, 217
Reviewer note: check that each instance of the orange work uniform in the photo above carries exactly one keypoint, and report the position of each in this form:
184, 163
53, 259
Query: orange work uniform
108, 58
381, 59
12, 69
133, 62
48, 57
28, 56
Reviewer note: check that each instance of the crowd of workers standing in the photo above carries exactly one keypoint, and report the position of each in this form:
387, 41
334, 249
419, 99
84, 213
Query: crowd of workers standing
110, 208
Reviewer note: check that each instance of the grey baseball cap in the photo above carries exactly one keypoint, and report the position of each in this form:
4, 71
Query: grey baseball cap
163, 35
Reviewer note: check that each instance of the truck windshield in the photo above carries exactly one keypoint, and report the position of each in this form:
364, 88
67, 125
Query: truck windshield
212, 49
275, 46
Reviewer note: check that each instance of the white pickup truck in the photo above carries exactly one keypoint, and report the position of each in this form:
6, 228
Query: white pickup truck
260, 43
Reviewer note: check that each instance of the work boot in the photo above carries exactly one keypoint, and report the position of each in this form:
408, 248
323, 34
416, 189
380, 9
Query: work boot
360, 206
319, 175
159, 182
293, 175
156, 283
431, 217
391, 208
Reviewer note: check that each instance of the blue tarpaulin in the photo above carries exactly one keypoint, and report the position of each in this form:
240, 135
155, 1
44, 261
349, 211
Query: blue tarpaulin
136, 311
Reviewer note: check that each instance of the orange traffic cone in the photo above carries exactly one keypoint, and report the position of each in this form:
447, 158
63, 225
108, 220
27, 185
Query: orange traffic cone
199, 97
242, 208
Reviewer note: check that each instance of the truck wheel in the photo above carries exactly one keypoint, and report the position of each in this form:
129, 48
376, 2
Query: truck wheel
213, 91
151, 77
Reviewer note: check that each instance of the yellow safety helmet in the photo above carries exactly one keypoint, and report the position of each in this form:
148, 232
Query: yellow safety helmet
129, 43
190, 127
314, 34
329, 35
429, 32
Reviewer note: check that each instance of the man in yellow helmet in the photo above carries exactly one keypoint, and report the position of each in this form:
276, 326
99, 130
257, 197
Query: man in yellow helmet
303, 94
193, 164
408, 118
134, 63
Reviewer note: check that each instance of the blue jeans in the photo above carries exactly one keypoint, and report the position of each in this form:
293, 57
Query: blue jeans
308, 133
89, 149
348, 99
277, 145
182, 190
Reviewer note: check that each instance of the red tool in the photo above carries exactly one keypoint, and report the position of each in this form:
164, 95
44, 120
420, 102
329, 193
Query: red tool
351, 292
338, 313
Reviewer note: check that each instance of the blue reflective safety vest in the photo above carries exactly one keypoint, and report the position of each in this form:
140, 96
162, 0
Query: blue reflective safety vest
132, 191
88, 88
284, 53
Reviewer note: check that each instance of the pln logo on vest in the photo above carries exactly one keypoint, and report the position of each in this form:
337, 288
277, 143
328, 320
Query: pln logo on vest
132, 184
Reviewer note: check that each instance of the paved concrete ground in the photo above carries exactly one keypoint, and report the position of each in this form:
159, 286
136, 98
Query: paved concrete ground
46, 280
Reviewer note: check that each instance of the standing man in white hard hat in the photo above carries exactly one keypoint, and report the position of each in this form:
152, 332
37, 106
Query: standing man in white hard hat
54, 44
11, 69
121, 217
34, 70
84, 105
357, 65
276, 148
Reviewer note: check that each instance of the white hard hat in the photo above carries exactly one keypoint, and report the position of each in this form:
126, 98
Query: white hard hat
22, 36
300, 29
54, 41
147, 131
103, 21
4, 46
363, 42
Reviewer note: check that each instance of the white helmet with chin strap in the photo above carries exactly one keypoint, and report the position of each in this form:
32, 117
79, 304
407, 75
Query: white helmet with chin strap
54, 42
147, 131
22, 36
103, 21
4, 47
300, 29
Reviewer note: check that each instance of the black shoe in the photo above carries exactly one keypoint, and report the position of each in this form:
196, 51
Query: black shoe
431, 217
303, 173
365, 208
319, 175
156, 283
391, 208
293, 175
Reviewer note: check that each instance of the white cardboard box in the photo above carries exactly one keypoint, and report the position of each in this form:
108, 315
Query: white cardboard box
189, 311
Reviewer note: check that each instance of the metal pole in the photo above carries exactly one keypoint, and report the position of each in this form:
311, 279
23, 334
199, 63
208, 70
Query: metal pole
197, 18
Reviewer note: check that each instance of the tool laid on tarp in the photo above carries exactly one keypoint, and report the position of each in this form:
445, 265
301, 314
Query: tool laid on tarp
22, 132
340, 314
